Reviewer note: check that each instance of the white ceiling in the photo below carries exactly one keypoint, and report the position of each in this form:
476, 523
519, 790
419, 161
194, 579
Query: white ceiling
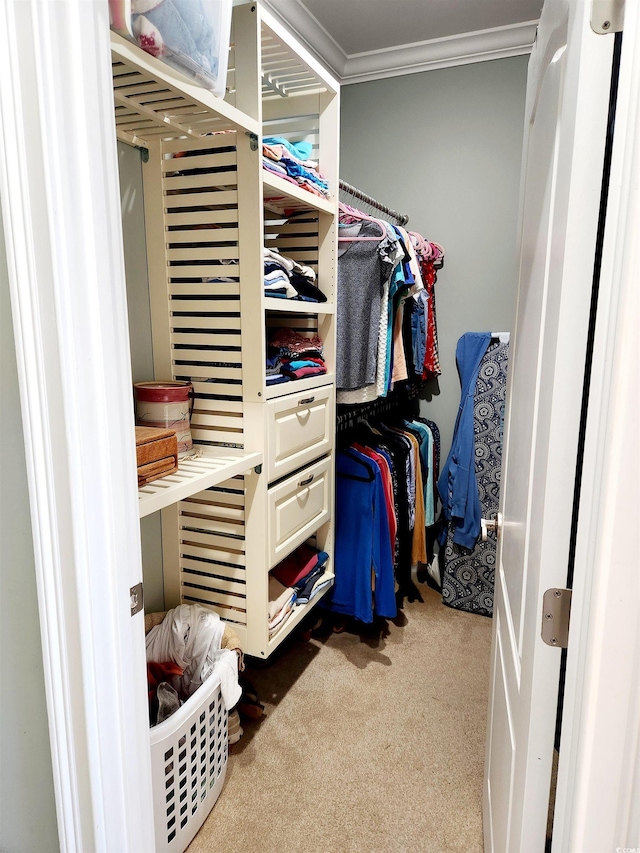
368, 39
359, 26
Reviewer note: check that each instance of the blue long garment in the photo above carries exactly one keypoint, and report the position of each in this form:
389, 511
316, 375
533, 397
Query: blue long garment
457, 486
419, 312
363, 542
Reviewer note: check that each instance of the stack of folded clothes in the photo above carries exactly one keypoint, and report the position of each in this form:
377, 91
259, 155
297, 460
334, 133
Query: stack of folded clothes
295, 580
303, 571
291, 355
281, 602
287, 279
290, 160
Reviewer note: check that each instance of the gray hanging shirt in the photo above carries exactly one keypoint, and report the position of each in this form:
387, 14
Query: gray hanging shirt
361, 274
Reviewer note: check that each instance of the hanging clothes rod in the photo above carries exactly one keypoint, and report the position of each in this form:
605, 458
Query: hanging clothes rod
402, 218
402, 399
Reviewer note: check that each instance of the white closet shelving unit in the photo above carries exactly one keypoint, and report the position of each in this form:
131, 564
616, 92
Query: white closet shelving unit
264, 482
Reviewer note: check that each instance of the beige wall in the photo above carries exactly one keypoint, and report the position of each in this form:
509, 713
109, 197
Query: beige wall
445, 146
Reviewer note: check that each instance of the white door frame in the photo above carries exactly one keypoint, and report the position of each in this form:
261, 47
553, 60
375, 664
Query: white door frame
63, 233
58, 180
598, 791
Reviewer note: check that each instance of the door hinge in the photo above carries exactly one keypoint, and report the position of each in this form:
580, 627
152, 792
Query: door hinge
607, 16
253, 140
556, 609
137, 598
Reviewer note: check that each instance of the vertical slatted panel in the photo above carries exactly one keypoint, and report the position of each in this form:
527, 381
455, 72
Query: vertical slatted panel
304, 324
200, 194
297, 238
213, 552
203, 267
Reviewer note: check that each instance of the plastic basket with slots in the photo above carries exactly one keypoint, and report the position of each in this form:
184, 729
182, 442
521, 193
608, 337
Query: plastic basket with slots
189, 754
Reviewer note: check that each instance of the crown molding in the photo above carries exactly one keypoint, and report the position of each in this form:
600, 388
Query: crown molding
479, 46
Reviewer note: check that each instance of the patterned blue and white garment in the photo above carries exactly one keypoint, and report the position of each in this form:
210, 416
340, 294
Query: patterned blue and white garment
468, 575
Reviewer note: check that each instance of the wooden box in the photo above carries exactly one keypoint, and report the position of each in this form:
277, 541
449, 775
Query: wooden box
156, 452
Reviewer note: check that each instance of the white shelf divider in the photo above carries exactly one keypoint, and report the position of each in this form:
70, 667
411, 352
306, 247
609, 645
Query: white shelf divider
284, 197
194, 475
291, 306
281, 389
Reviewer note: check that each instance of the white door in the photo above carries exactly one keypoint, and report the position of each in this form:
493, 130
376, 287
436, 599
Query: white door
565, 128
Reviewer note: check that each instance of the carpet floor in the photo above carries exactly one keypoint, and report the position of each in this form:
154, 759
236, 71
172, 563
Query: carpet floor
372, 741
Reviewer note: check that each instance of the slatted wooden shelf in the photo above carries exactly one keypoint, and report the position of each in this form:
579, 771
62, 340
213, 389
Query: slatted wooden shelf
195, 475
289, 73
153, 100
285, 73
284, 197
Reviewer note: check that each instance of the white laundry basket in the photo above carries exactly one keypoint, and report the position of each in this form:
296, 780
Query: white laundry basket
189, 752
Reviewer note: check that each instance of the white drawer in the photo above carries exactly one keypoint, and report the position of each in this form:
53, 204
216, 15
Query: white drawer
297, 507
299, 429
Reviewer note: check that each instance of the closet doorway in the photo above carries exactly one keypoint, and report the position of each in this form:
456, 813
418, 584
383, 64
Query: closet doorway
570, 75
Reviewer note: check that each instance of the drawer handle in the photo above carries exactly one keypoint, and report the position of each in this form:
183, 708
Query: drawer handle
305, 482
306, 401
